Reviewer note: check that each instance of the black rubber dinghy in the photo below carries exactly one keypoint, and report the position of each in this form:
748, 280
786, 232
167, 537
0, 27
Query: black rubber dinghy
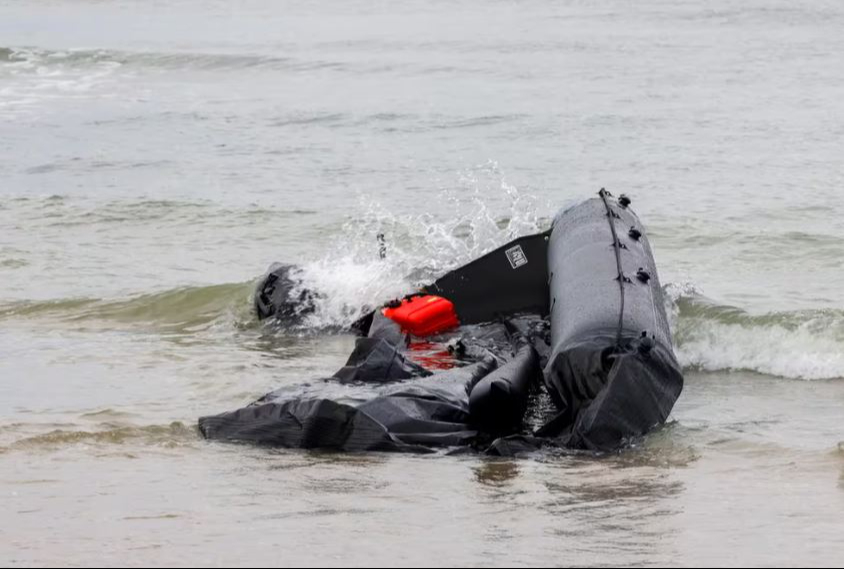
574, 316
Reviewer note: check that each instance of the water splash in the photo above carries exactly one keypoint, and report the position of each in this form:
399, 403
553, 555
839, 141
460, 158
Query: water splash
351, 278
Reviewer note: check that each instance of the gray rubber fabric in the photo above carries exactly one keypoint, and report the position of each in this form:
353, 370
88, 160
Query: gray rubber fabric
612, 371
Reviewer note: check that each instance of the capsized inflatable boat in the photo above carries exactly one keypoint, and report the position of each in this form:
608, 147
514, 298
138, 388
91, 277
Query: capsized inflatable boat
575, 314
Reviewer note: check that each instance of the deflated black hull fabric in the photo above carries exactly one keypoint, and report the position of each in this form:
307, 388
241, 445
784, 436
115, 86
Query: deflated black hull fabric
603, 403
308, 424
598, 342
413, 415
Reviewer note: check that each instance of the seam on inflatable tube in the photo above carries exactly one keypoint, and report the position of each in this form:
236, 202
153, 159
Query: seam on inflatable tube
616, 244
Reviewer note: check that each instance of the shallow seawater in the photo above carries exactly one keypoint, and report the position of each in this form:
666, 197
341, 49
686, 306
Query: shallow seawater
156, 157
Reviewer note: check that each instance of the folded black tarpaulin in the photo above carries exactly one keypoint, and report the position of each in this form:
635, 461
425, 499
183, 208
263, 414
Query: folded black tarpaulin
576, 314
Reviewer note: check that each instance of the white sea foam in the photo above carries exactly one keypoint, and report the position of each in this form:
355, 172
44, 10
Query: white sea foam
800, 345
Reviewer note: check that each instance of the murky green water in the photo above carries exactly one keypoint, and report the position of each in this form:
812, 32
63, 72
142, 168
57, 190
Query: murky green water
155, 157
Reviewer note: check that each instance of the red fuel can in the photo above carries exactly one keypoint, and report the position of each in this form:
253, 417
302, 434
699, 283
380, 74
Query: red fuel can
424, 315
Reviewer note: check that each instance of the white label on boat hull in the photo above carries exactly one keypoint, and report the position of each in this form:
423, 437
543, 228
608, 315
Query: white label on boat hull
516, 256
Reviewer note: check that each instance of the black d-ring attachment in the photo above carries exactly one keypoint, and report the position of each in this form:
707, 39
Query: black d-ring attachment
646, 344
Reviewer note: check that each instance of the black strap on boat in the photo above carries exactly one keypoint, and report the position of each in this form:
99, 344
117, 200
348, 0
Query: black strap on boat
616, 244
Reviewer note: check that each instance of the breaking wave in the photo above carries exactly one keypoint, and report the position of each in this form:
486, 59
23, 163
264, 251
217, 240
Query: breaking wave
175, 434
38, 58
350, 278
186, 309
805, 344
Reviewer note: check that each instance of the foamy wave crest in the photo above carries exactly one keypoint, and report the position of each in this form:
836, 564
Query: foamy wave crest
42, 60
806, 344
